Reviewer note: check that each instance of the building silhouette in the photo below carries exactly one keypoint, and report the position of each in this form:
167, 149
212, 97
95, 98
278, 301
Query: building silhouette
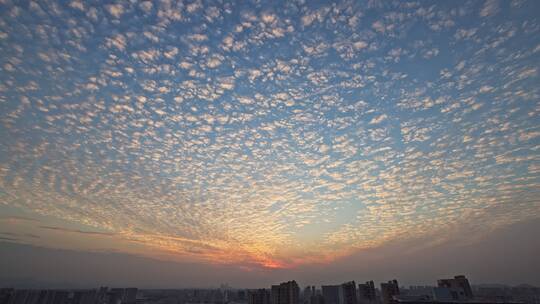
331, 294
130, 296
122, 296
116, 295
85, 297
308, 292
347, 293
389, 290
259, 296
285, 293
312, 296
24, 296
459, 287
367, 292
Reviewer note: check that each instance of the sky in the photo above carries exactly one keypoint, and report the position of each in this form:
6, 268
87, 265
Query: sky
267, 139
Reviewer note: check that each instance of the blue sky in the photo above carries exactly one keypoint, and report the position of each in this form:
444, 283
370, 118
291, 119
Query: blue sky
270, 134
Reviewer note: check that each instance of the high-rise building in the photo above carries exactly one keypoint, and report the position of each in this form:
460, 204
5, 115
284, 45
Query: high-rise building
367, 292
389, 290
60, 297
6, 294
241, 295
459, 287
347, 294
39, 297
116, 295
24, 296
316, 296
259, 296
331, 294
85, 297
317, 299
285, 293
306, 295
312, 296
130, 296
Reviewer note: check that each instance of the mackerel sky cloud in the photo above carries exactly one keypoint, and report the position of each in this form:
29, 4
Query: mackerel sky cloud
270, 134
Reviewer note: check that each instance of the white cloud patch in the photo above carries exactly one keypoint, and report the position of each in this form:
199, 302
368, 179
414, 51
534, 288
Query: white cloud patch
115, 10
490, 8
378, 119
